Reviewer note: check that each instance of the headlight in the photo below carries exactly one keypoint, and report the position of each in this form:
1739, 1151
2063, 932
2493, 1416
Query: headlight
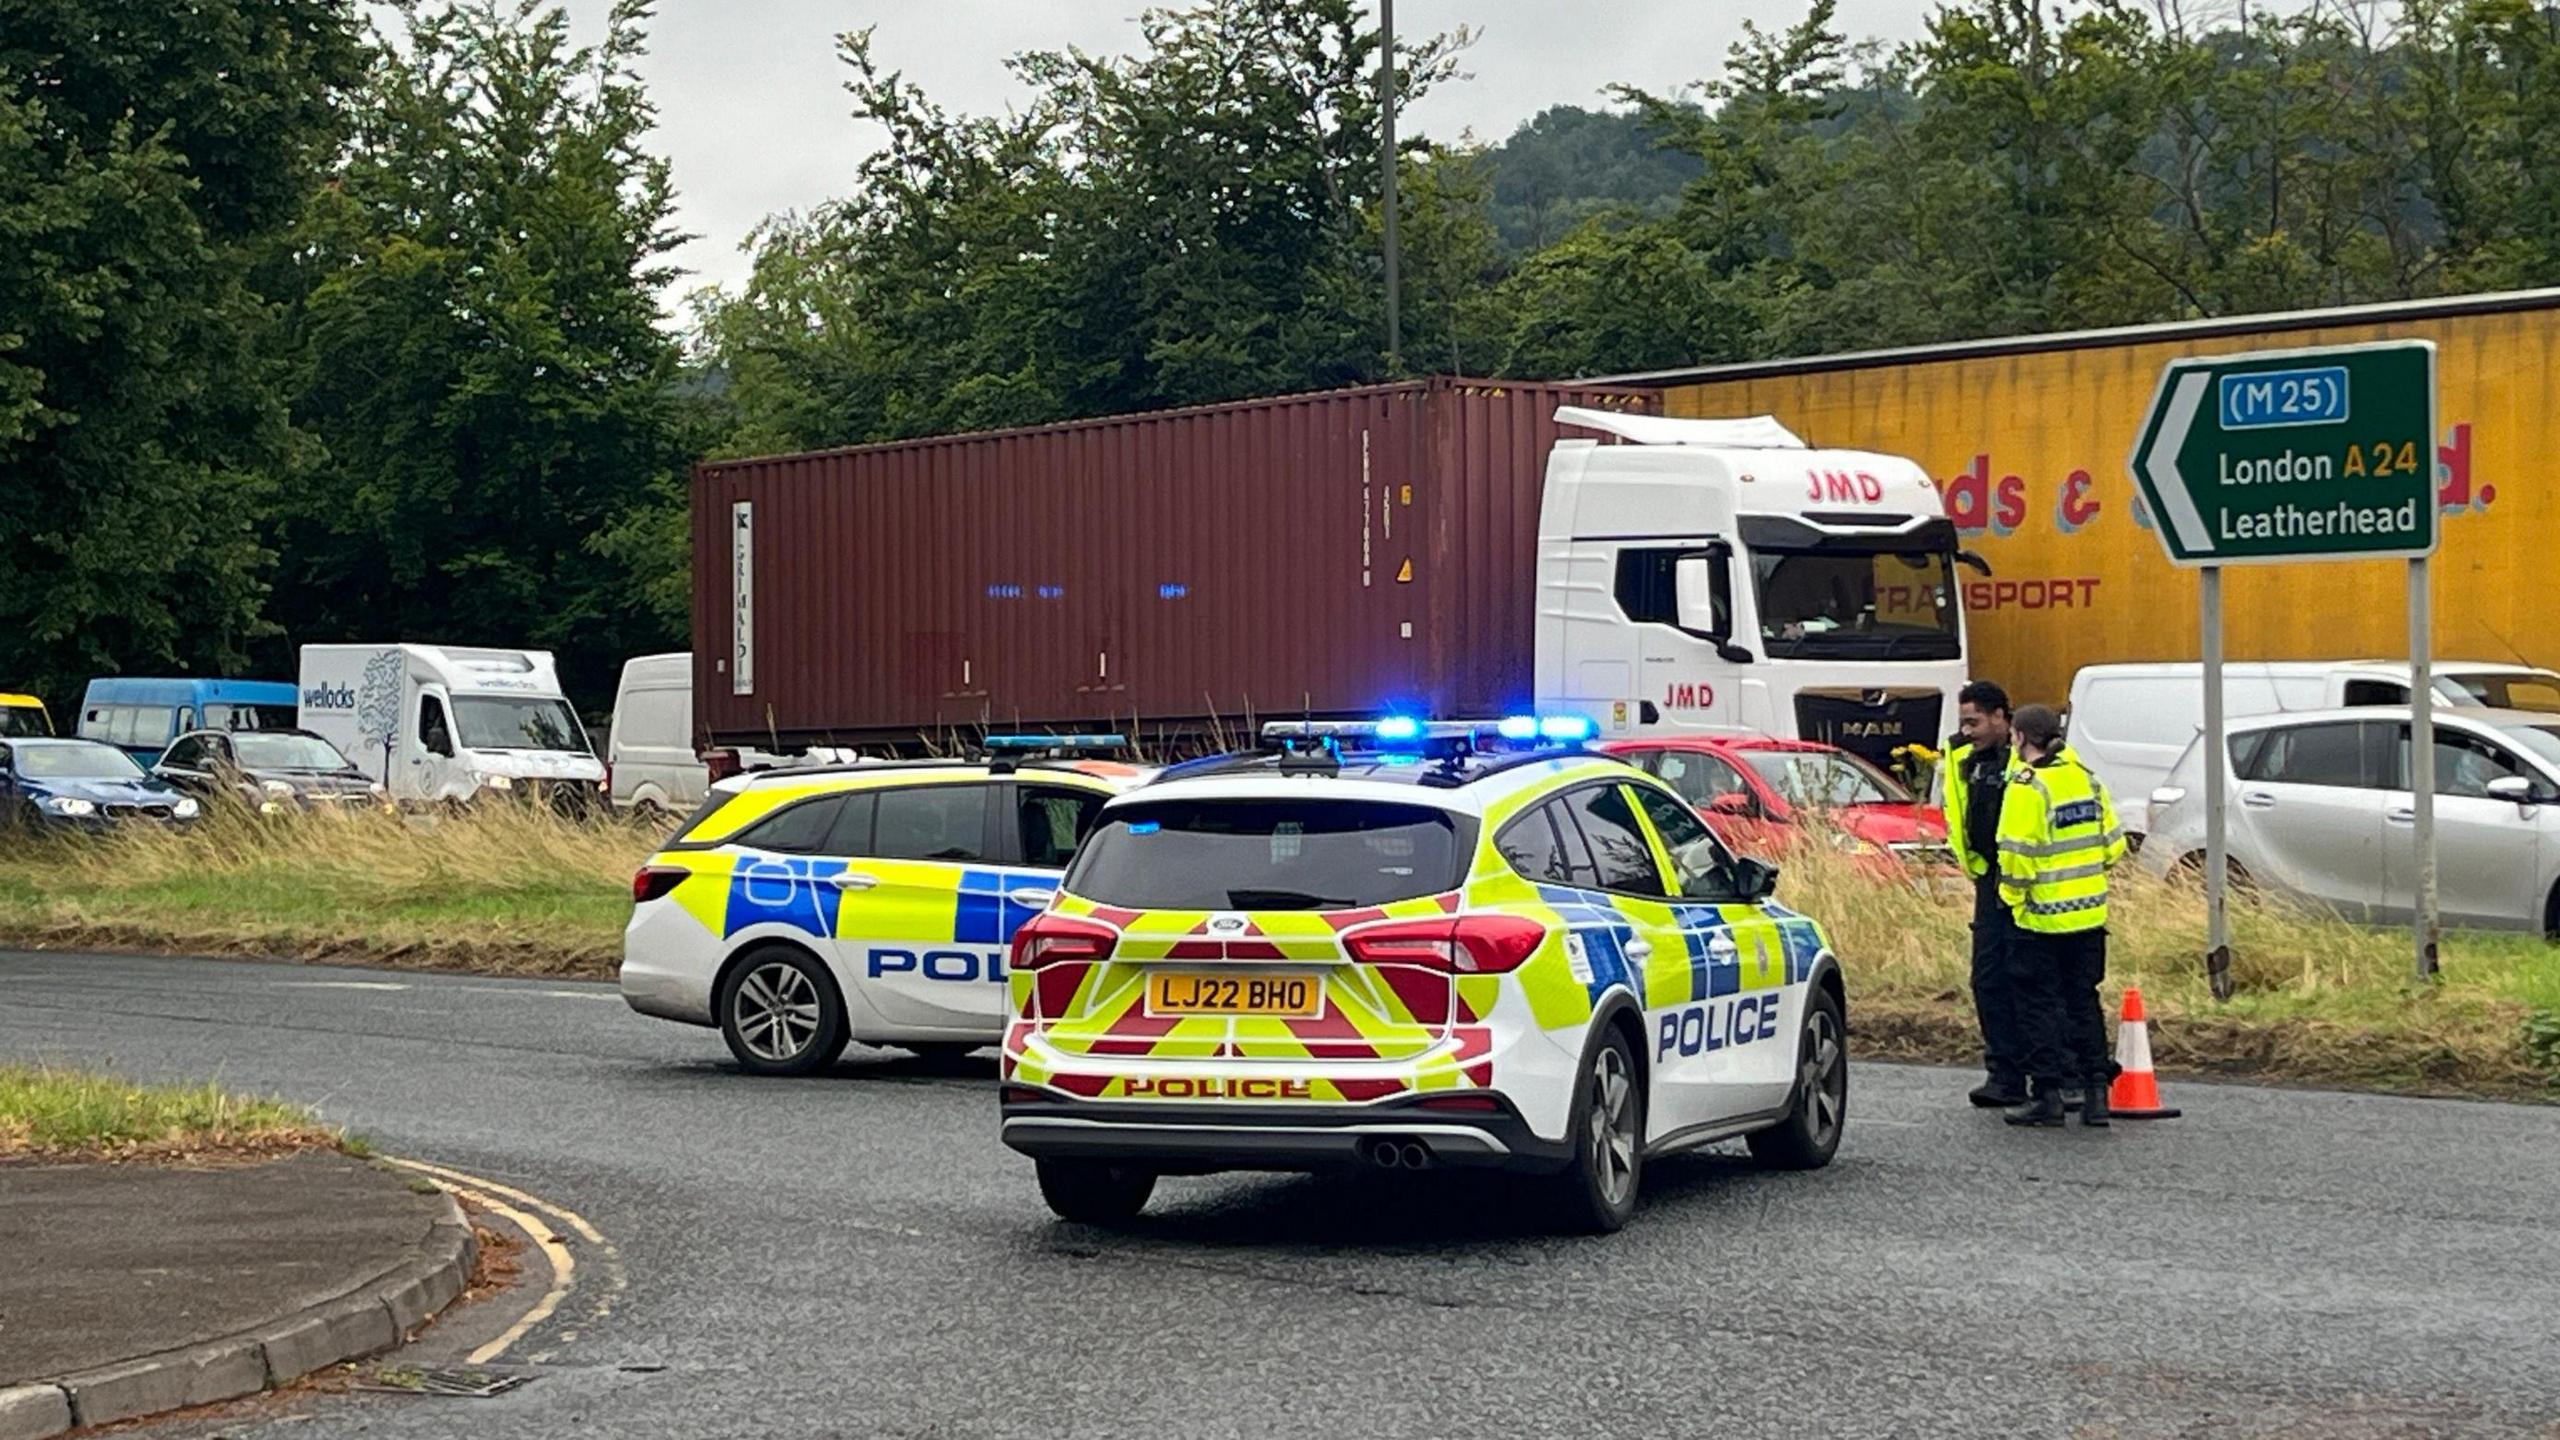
276, 789
376, 789
496, 782
69, 805
185, 809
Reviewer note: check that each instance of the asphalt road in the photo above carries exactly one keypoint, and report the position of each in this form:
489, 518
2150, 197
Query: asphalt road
857, 1255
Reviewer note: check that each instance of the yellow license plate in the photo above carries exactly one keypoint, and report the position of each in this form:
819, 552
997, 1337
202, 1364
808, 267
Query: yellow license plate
1179, 993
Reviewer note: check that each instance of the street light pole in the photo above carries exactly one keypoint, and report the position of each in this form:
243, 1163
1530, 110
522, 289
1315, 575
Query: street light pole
1387, 173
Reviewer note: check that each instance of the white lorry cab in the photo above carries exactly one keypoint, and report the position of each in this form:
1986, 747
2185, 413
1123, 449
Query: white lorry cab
450, 724
1722, 576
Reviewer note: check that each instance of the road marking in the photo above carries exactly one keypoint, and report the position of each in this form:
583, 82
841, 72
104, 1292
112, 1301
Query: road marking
343, 984
616, 1279
564, 1266
584, 994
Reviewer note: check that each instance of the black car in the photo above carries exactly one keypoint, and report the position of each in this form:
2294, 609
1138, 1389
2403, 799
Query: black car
267, 770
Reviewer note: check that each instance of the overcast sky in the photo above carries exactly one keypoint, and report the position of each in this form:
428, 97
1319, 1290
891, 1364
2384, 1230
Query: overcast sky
752, 115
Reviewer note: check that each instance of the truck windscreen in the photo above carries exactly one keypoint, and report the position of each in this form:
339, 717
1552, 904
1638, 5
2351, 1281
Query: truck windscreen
1850, 601
507, 722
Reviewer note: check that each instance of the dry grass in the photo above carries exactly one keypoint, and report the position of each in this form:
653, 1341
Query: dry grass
2318, 1001
51, 1114
502, 889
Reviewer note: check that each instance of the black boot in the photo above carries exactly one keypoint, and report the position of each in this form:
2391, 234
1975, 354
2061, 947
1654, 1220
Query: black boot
1998, 1092
2093, 1105
2044, 1109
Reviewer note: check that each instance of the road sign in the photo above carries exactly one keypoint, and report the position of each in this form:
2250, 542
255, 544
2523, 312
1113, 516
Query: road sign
2325, 454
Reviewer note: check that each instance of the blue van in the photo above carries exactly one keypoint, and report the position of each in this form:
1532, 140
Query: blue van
140, 717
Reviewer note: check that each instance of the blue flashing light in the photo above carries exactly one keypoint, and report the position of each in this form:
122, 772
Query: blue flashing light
1517, 727
1145, 827
1398, 730
1055, 742
1565, 729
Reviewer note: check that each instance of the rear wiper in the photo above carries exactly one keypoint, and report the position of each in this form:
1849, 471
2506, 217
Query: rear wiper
1283, 900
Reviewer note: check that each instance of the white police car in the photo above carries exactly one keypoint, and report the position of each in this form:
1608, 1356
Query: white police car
802, 909
1406, 947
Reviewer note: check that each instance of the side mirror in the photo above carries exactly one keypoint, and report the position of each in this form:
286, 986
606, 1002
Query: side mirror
1754, 879
1693, 586
1973, 562
2515, 789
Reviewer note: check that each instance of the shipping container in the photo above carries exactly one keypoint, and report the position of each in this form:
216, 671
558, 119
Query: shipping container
2028, 437
1167, 573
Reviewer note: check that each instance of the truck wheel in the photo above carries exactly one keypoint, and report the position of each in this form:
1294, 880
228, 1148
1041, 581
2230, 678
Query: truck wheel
1597, 1193
781, 1014
1819, 1110
1095, 1192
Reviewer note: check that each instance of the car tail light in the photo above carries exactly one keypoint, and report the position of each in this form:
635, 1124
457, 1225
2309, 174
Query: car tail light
1060, 940
654, 881
1021, 1095
1461, 944
1470, 1104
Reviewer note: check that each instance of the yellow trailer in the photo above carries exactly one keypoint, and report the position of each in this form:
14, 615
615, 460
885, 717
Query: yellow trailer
2028, 438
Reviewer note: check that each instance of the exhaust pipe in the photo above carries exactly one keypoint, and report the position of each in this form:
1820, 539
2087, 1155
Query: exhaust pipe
1391, 1154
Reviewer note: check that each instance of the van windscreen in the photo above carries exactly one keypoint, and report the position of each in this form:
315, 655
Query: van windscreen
513, 722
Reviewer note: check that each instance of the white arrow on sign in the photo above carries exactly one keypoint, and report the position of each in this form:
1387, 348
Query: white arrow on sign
2161, 464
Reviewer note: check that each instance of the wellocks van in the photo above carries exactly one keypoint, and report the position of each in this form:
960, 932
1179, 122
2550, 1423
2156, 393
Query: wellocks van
451, 724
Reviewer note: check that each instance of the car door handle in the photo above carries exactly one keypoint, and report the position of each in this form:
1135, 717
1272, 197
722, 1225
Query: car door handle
853, 880
1031, 899
2257, 800
1639, 948
2401, 815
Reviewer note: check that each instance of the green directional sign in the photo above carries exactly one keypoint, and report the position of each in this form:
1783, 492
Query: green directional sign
2325, 454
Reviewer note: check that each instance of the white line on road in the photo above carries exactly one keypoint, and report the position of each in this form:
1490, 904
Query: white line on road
343, 984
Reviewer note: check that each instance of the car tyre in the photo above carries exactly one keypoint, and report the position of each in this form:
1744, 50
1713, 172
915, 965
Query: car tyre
1095, 1192
781, 1014
1819, 1110
1596, 1194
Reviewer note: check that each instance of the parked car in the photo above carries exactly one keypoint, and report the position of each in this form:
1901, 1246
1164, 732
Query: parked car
650, 765
1759, 795
81, 784
2129, 722
2321, 811
141, 716
23, 715
267, 770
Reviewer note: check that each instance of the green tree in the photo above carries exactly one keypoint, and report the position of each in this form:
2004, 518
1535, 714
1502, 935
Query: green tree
152, 160
482, 359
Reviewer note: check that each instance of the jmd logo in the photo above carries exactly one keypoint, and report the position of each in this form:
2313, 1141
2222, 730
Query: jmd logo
328, 697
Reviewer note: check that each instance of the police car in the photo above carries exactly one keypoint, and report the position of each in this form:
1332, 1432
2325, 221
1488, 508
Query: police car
1406, 946
802, 909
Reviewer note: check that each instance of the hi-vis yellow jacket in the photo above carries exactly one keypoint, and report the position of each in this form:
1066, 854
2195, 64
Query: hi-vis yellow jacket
2058, 838
1957, 799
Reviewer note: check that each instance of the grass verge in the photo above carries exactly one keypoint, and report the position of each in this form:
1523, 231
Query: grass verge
519, 892
55, 1114
503, 891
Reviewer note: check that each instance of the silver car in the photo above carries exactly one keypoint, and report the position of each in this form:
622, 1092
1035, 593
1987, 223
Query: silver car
2320, 810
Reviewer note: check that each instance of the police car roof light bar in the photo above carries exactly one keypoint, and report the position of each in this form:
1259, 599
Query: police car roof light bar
1054, 742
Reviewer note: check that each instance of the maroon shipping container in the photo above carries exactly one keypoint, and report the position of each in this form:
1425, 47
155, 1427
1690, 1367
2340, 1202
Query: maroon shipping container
1329, 553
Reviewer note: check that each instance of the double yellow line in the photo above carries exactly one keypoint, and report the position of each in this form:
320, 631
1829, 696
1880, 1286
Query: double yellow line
503, 1201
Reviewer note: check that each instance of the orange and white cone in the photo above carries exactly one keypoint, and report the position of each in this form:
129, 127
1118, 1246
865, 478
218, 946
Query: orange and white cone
2136, 1093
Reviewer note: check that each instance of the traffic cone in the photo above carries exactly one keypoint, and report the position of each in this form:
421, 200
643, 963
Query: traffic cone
2136, 1093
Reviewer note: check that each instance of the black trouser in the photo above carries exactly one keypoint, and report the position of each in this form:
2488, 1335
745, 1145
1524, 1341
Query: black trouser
1995, 996
2059, 1017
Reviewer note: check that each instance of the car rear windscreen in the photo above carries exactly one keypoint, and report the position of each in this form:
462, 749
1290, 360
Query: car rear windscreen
1269, 854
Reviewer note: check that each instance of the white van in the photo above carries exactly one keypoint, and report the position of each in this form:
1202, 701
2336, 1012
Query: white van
1724, 577
2129, 723
649, 759
448, 723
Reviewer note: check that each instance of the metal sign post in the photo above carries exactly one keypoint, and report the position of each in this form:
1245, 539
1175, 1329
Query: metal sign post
2284, 455
2217, 788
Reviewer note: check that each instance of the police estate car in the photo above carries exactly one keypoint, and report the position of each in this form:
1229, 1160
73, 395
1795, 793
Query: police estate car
1400, 946
801, 909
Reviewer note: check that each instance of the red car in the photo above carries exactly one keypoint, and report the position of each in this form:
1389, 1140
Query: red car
1761, 795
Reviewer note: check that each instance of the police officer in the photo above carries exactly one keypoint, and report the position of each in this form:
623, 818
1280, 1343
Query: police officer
1976, 775
2058, 838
